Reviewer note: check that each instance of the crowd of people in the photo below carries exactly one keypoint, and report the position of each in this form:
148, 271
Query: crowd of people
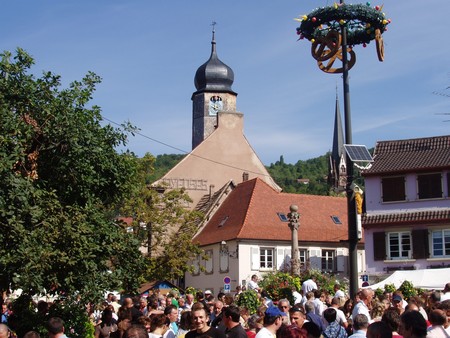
314, 314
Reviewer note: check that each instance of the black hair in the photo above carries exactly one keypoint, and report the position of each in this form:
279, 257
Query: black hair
330, 315
233, 312
414, 320
55, 325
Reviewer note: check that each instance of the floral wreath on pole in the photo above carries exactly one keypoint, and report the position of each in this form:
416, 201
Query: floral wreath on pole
323, 26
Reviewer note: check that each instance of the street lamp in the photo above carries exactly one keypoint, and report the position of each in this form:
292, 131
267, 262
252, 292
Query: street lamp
294, 218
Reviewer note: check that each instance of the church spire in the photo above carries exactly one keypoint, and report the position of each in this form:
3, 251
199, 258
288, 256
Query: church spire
338, 134
337, 174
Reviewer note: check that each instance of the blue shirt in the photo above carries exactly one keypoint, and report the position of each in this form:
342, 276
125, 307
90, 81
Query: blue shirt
358, 334
334, 330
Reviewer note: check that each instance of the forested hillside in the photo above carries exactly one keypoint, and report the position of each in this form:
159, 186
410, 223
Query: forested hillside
162, 164
306, 177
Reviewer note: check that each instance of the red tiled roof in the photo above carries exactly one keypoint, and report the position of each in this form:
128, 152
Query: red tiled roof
250, 212
126, 220
428, 216
410, 155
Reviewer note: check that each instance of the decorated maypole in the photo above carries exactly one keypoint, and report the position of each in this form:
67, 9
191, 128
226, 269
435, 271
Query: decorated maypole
333, 32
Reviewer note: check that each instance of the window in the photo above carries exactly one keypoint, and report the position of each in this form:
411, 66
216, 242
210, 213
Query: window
448, 184
429, 186
282, 217
266, 258
393, 188
223, 221
336, 219
399, 244
328, 260
441, 243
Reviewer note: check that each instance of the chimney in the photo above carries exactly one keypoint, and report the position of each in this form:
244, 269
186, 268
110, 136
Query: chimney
211, 190
245, 176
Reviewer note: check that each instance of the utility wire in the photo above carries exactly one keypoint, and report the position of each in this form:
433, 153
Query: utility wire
187, 152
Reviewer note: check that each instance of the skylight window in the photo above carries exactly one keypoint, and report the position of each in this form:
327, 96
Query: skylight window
282, 217
224, 220
336, 219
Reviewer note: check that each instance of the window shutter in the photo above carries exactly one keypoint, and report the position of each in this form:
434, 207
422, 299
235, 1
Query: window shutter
340, 259
196, 266
420, 243
379, 246
287, 259
209, 262
280, 259
255, 258
448, 184
224, 262
315, 259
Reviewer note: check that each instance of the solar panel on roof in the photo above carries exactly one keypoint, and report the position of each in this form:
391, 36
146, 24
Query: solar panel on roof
358, 153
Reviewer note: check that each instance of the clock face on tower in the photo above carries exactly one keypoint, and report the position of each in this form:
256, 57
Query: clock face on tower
215, 105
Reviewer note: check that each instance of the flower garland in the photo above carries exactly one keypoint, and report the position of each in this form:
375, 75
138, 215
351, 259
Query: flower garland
361, 22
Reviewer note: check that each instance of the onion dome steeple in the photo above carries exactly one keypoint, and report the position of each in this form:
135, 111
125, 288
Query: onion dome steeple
214, 75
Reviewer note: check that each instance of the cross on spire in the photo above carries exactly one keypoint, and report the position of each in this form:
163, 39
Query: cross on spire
214, 29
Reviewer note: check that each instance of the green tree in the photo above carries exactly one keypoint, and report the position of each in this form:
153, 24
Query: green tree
59, 176
162, 223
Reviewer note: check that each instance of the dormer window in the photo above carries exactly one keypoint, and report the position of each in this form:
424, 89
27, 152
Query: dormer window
336, 219
282, 217
223, 221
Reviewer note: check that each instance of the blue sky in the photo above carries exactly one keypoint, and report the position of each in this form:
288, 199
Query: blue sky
147, 52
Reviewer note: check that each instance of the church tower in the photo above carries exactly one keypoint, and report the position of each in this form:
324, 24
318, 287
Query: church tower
337, 166
213, 81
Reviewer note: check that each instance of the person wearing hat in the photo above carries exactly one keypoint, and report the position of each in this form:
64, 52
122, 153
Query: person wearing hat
272, 322
397, 303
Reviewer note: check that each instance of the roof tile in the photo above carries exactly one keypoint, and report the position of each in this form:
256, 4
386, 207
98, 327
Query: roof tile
435, 215
402, 156
252, 209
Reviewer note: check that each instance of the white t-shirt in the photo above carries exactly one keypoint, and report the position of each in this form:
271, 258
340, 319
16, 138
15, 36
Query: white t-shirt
360, 307
339, 294
319, 306
340, 317
264, 333
445, 296
308, 285
252, 285
297, 297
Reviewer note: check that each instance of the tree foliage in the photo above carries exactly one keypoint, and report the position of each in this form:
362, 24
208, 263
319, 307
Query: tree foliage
279, 285
162, 222
162, 164
288, 175
59, 175
249, 299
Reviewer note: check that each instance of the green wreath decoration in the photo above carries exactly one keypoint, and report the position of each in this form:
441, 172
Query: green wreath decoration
361, 22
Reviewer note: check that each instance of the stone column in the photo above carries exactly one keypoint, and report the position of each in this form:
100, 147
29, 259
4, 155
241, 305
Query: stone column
294, 218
